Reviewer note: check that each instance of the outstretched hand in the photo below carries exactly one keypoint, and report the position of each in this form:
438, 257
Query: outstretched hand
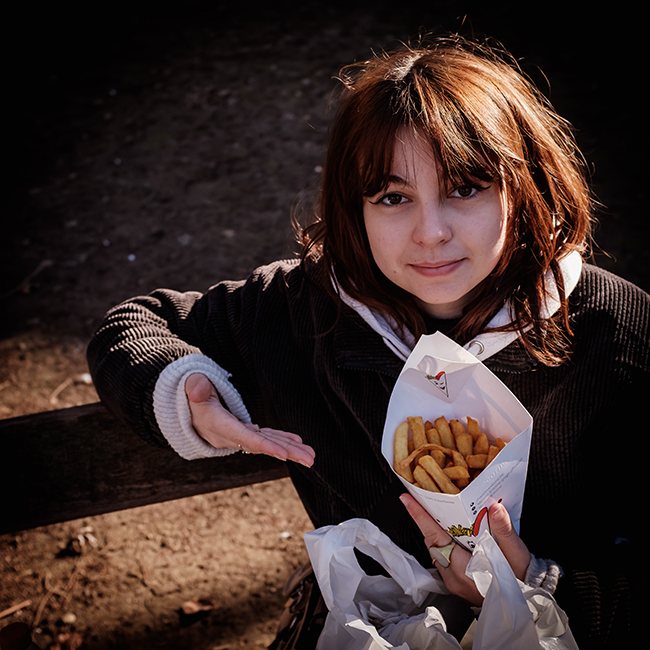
458, 583
218, 427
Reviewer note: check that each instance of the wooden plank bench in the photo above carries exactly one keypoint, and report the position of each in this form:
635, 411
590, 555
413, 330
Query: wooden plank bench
81, 461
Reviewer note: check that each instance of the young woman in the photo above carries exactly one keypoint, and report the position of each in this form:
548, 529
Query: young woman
453, 199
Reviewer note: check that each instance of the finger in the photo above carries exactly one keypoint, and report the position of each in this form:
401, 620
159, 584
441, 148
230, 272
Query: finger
454, 575
199, 388
511, 545
296, 452
277, 443
302, 454
434, 535
284, 437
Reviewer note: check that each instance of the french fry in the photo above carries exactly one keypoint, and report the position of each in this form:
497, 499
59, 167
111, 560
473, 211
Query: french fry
417, 456
460, 462
401, 451
424, 479
456, 473
439, 457
459, 459
416, 452
481, 445
433, 436
477, 461
457, 427
419, 437
492, 453
464, 442
472, 428
446, 435
438, 475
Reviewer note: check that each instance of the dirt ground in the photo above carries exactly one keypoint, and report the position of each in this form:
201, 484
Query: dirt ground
167, 148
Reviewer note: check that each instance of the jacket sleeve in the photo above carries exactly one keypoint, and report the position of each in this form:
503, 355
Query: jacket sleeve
136, 341
605, 581
583, 486
227, 325
599, 542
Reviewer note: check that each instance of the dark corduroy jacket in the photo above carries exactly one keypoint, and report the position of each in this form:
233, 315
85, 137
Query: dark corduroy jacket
303, 365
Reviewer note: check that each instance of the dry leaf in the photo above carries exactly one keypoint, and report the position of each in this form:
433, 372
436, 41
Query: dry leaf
197, 605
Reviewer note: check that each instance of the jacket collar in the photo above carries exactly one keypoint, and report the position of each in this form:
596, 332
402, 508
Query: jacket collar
484, 346
356, 348
489, 343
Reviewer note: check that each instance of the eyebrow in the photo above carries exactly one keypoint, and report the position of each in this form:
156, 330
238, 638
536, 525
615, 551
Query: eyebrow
397, 180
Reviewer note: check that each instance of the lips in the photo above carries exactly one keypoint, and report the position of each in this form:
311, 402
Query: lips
433, 269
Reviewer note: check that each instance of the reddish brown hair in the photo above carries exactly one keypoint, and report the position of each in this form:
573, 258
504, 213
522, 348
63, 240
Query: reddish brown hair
483, 120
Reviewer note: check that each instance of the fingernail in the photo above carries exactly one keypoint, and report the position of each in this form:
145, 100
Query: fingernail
498, 511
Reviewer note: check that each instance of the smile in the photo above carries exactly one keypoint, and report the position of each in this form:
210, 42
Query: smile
436, 269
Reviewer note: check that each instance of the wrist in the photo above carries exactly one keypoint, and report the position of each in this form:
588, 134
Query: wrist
543, 573
172, 408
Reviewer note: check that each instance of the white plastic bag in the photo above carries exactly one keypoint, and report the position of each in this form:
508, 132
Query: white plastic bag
377, 612
513, 615
366, 612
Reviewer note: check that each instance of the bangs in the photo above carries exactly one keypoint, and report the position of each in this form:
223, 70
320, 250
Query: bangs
463, 129
455, 167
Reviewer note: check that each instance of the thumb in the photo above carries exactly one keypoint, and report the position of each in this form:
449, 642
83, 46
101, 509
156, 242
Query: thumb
198, 388
509, 542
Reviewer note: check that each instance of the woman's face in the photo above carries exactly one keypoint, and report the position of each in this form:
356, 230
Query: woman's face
438, 245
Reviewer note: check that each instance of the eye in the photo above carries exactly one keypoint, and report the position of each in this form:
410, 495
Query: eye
390, 199
467, 191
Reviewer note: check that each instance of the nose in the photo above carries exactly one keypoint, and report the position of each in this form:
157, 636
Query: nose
432, 225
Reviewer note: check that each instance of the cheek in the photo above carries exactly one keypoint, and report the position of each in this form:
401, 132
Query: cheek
505, 222
496, 231
500, 238
489, 241
380, 241
380, 254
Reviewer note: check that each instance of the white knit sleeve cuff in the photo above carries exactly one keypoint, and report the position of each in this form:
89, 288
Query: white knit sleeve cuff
172, 410
543, 573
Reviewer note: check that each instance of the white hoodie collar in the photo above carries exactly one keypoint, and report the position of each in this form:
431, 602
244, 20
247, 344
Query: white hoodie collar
484, 345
